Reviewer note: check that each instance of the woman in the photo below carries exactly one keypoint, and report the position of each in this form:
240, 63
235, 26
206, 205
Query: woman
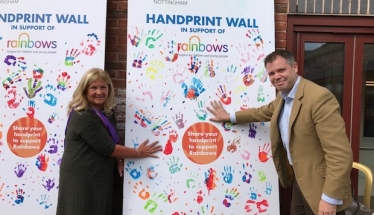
91, 144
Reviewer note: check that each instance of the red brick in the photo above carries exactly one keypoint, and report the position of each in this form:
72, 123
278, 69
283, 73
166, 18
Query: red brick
111, 56
122, 40
122, 5
112, 74
119, 83
280, 8
280, 26
122, 23
280, 44
280, 17
111, 5
111, 23
122, 57
111, 39
280, 35
281, 1
121, 74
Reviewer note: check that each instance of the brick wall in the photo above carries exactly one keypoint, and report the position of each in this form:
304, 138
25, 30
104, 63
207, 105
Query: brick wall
115, 65
280, 18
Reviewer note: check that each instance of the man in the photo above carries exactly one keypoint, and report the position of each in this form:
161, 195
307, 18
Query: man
310, 148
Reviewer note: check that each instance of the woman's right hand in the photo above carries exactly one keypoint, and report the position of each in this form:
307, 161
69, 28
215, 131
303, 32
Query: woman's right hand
146, 150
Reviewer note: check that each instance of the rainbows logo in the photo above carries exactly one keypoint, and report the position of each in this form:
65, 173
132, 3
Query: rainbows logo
194, 45
25, 42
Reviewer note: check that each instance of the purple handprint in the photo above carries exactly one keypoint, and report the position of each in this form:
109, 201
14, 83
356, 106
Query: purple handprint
49, 184
53, 145
179, 120
246, 178
20, 170
252, 130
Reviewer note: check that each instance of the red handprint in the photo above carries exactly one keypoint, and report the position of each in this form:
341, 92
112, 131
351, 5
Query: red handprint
263, 155
173, 136
223, 95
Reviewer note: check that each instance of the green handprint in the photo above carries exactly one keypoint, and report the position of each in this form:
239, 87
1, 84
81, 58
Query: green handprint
191, 180
152, 37
261, 176
174, 167
33, 87
151, 205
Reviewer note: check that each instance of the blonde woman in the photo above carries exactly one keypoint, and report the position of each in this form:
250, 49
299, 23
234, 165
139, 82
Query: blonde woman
91, 148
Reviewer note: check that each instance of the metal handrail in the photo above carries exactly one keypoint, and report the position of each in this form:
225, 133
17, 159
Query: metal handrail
367, 148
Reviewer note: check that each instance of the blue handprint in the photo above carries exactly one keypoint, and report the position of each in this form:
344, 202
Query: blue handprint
194, 90
134, 173
44, 201
268, 188
49, 98
135, 143
227, 174
247, 177
253, 195
19, 170
20, 197
174, 167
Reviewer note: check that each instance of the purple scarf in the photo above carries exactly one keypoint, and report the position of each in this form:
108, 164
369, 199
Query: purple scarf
104, 119
111, 129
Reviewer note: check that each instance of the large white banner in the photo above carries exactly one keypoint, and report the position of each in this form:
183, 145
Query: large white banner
181, 55
45, 47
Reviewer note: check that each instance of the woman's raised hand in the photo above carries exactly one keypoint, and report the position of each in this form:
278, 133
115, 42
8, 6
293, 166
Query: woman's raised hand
148, 150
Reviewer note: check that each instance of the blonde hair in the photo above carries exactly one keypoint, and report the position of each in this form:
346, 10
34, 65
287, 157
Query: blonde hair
80, 101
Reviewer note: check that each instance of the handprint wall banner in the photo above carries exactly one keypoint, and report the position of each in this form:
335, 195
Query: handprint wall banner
43, 56
180, 57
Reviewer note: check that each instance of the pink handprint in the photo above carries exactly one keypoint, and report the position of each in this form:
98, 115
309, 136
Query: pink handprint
244, 52
13, 103
90, 45
263, 155
179, 77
